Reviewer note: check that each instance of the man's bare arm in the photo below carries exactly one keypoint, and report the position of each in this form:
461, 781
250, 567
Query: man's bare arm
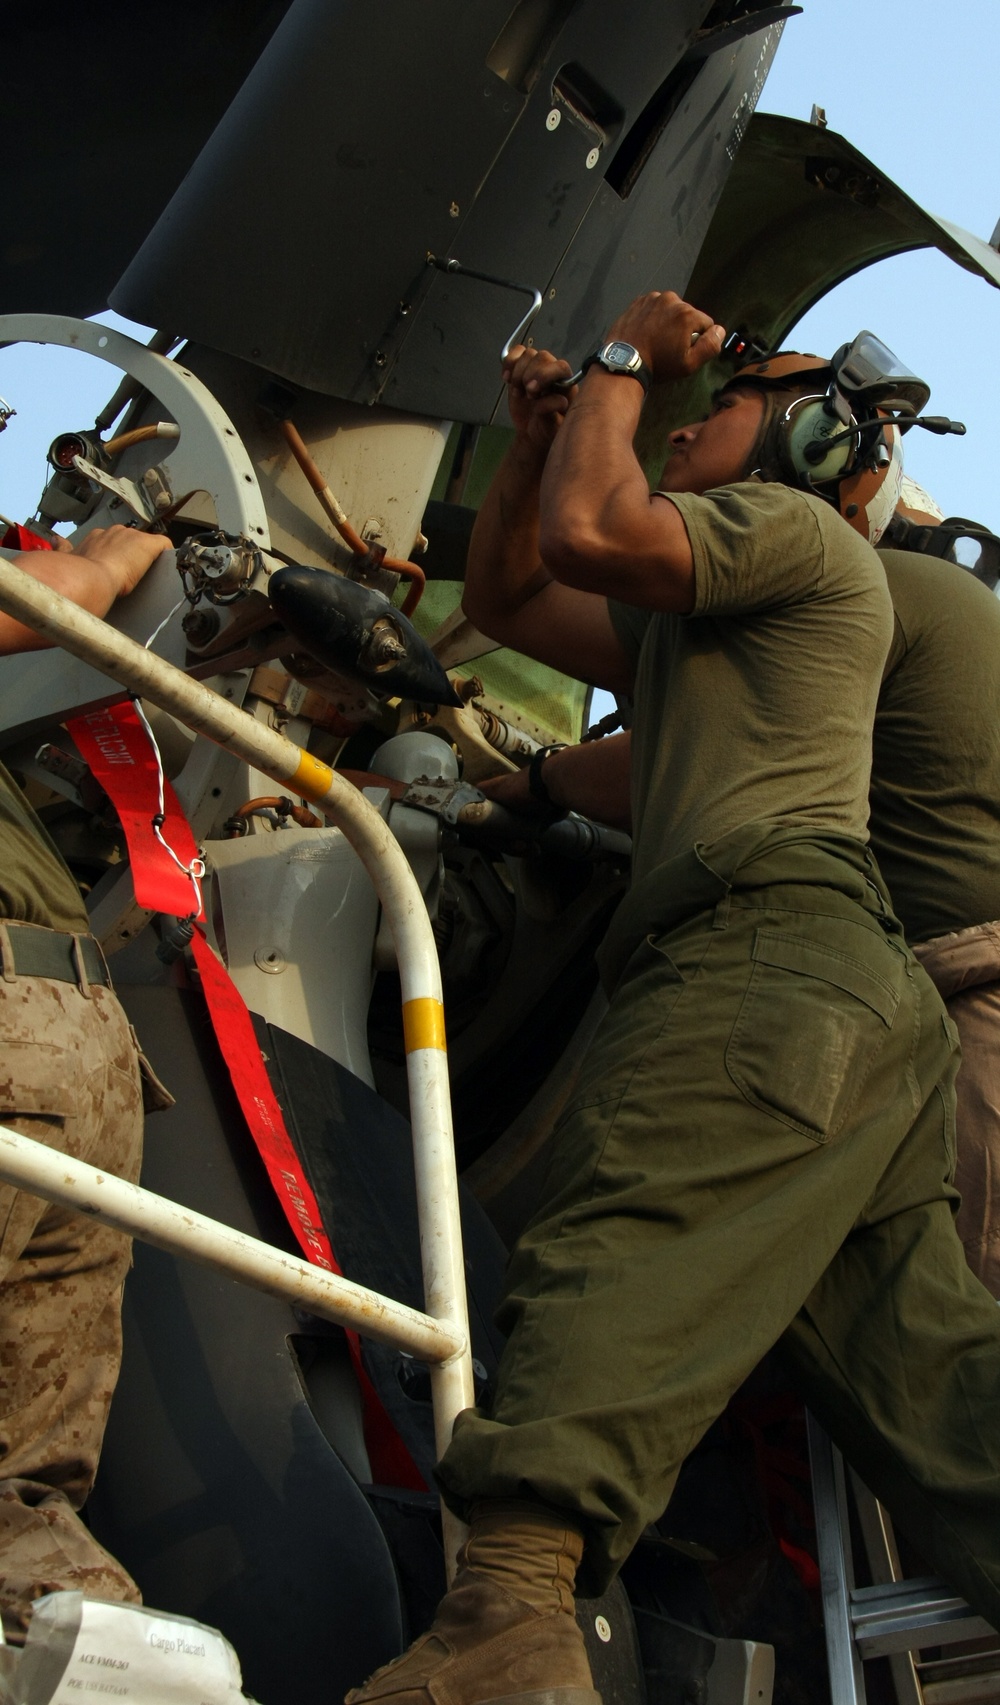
600, 530
509, 594
594, 779
106, 565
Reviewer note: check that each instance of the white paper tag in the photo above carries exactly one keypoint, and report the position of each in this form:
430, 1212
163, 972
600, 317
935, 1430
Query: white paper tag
146, 1658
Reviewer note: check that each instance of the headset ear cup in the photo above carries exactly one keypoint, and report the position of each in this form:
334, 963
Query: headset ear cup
808, 422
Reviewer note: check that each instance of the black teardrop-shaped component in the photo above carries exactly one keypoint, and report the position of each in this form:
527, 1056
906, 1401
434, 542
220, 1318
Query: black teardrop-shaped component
358, 633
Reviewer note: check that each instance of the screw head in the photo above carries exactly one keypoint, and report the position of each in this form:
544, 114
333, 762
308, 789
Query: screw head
554, 119
602, 1628
592, 158
269, 960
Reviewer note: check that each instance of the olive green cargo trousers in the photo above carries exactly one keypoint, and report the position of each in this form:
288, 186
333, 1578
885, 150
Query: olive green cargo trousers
761, 1144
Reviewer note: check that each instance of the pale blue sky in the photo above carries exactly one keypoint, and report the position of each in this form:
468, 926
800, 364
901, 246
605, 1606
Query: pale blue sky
912, 84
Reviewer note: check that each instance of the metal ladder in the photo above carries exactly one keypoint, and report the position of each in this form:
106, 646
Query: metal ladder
893, 1618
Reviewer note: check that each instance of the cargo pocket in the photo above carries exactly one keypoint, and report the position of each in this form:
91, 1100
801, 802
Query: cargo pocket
38, 1079
811, 1023
37, 1100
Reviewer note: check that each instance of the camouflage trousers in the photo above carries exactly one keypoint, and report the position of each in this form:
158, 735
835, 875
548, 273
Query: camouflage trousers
69, 1078
965, 969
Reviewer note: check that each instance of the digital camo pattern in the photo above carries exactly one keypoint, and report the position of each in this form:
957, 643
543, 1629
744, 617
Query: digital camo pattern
68, 1077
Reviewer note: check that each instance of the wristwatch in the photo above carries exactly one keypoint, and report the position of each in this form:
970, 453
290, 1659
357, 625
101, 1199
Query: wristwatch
617, 357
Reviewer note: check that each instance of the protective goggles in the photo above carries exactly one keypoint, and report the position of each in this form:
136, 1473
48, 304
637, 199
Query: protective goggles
965, 543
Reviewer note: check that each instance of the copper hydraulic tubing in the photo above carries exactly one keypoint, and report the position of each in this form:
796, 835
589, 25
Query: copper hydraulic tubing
140, 435
396, 565
279, 802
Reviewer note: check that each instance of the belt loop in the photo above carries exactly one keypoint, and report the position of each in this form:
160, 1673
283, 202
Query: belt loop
883, 916
721, 918
7, 956
102, 957
81, 969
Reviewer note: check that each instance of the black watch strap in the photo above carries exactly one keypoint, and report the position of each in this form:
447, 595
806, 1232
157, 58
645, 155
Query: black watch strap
642, 374
536, 781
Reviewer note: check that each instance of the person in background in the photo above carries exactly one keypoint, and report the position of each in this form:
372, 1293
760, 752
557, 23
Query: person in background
69, 1077
935, 828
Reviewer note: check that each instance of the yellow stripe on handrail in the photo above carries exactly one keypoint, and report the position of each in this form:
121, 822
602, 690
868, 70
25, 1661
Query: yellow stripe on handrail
423, 1024
312, 779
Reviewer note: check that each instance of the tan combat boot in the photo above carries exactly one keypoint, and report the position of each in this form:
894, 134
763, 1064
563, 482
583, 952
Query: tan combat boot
505, 1632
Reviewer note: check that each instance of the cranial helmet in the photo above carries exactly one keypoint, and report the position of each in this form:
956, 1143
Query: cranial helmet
833, 427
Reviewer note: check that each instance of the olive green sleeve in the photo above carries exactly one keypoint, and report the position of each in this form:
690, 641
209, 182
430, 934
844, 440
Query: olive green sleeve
755, 547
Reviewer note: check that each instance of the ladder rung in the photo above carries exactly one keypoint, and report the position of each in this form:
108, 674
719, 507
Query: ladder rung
893, 1618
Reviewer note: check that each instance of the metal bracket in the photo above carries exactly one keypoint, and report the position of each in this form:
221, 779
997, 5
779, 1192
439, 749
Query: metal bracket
444, 799
125, 490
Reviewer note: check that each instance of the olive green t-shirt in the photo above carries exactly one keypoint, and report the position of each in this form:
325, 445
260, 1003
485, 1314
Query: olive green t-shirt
935, 794
757, 706
36, 886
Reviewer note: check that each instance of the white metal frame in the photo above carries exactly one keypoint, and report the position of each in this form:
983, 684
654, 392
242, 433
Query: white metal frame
209, 452
46, 1172
208, 456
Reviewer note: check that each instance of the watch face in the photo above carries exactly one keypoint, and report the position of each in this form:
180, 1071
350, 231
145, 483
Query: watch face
618, 354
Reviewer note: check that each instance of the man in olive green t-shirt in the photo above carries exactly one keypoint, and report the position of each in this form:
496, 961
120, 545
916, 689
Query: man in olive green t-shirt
935, 829
934, 826
759, 1142
68, 1077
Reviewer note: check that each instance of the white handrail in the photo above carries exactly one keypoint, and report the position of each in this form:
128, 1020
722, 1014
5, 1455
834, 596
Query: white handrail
85, 1189
150, 677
